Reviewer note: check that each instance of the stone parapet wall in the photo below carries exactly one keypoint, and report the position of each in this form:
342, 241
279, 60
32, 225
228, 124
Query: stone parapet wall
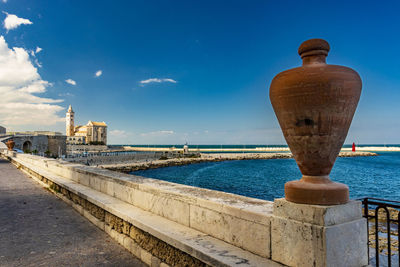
222, 227
37, 142
116, 158
85, 148
171, 224
54, 145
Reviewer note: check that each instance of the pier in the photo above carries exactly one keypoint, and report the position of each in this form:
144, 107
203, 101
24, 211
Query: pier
152, 163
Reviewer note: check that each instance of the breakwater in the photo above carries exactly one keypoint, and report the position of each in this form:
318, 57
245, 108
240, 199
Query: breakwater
127, 167
244, 148
209, 149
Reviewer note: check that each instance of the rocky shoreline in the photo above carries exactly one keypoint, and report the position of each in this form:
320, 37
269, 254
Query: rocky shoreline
128, 167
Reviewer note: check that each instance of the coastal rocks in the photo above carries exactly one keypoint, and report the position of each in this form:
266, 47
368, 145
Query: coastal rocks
356, 154
128, 167
144, 165
315, 104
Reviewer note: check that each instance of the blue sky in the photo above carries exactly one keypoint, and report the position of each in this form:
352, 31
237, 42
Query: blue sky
195, 71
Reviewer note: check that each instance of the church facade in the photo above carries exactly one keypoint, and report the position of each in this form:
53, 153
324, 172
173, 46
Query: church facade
91, 133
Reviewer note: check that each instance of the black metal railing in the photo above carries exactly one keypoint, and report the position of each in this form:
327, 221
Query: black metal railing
383, 218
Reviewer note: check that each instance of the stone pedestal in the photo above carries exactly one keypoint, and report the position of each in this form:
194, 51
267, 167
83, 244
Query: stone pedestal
315, 235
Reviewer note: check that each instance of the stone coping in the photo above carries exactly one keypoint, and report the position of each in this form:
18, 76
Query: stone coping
318, 214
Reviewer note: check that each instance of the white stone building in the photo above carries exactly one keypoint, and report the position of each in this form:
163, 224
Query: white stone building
91, 133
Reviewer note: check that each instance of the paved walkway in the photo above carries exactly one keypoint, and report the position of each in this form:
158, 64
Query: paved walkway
38, 229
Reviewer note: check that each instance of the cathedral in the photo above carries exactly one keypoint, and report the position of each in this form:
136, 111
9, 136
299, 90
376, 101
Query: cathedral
91, 133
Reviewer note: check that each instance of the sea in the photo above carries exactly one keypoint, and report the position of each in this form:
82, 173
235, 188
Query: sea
376, 176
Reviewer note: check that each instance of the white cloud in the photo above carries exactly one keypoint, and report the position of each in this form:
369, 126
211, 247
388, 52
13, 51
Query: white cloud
118, 133
169, 80
4, 1
38, 63
98, 73
66, 94
158, 133
70, 81
12, 21
19, 84
157, 80
33, 54
165, 132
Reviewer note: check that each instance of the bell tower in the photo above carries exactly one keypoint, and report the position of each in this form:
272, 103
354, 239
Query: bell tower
70, 122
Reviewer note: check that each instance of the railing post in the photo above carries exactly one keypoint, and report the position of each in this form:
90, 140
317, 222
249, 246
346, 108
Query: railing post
388, 236
377, 235
398, 235
366, 215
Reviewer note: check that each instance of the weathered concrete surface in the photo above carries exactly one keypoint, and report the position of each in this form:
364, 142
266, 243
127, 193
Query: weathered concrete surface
318, 214
38, 229
316, 235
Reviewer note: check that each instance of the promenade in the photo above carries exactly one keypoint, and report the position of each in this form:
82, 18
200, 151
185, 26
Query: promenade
38, 229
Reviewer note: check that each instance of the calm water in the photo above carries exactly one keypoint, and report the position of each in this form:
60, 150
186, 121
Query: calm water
264, 179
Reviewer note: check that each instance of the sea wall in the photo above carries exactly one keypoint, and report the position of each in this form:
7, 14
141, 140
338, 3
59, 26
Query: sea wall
115, 158
168, 224
196, 226
72, 148
106, 158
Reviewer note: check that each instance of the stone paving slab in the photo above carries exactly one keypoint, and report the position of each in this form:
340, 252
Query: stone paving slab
38, 229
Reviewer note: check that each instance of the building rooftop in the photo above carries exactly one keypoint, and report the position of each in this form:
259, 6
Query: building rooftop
70, 109
95, 123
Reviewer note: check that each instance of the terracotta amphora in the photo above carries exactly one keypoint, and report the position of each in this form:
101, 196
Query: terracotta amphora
315, 104
10, 144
